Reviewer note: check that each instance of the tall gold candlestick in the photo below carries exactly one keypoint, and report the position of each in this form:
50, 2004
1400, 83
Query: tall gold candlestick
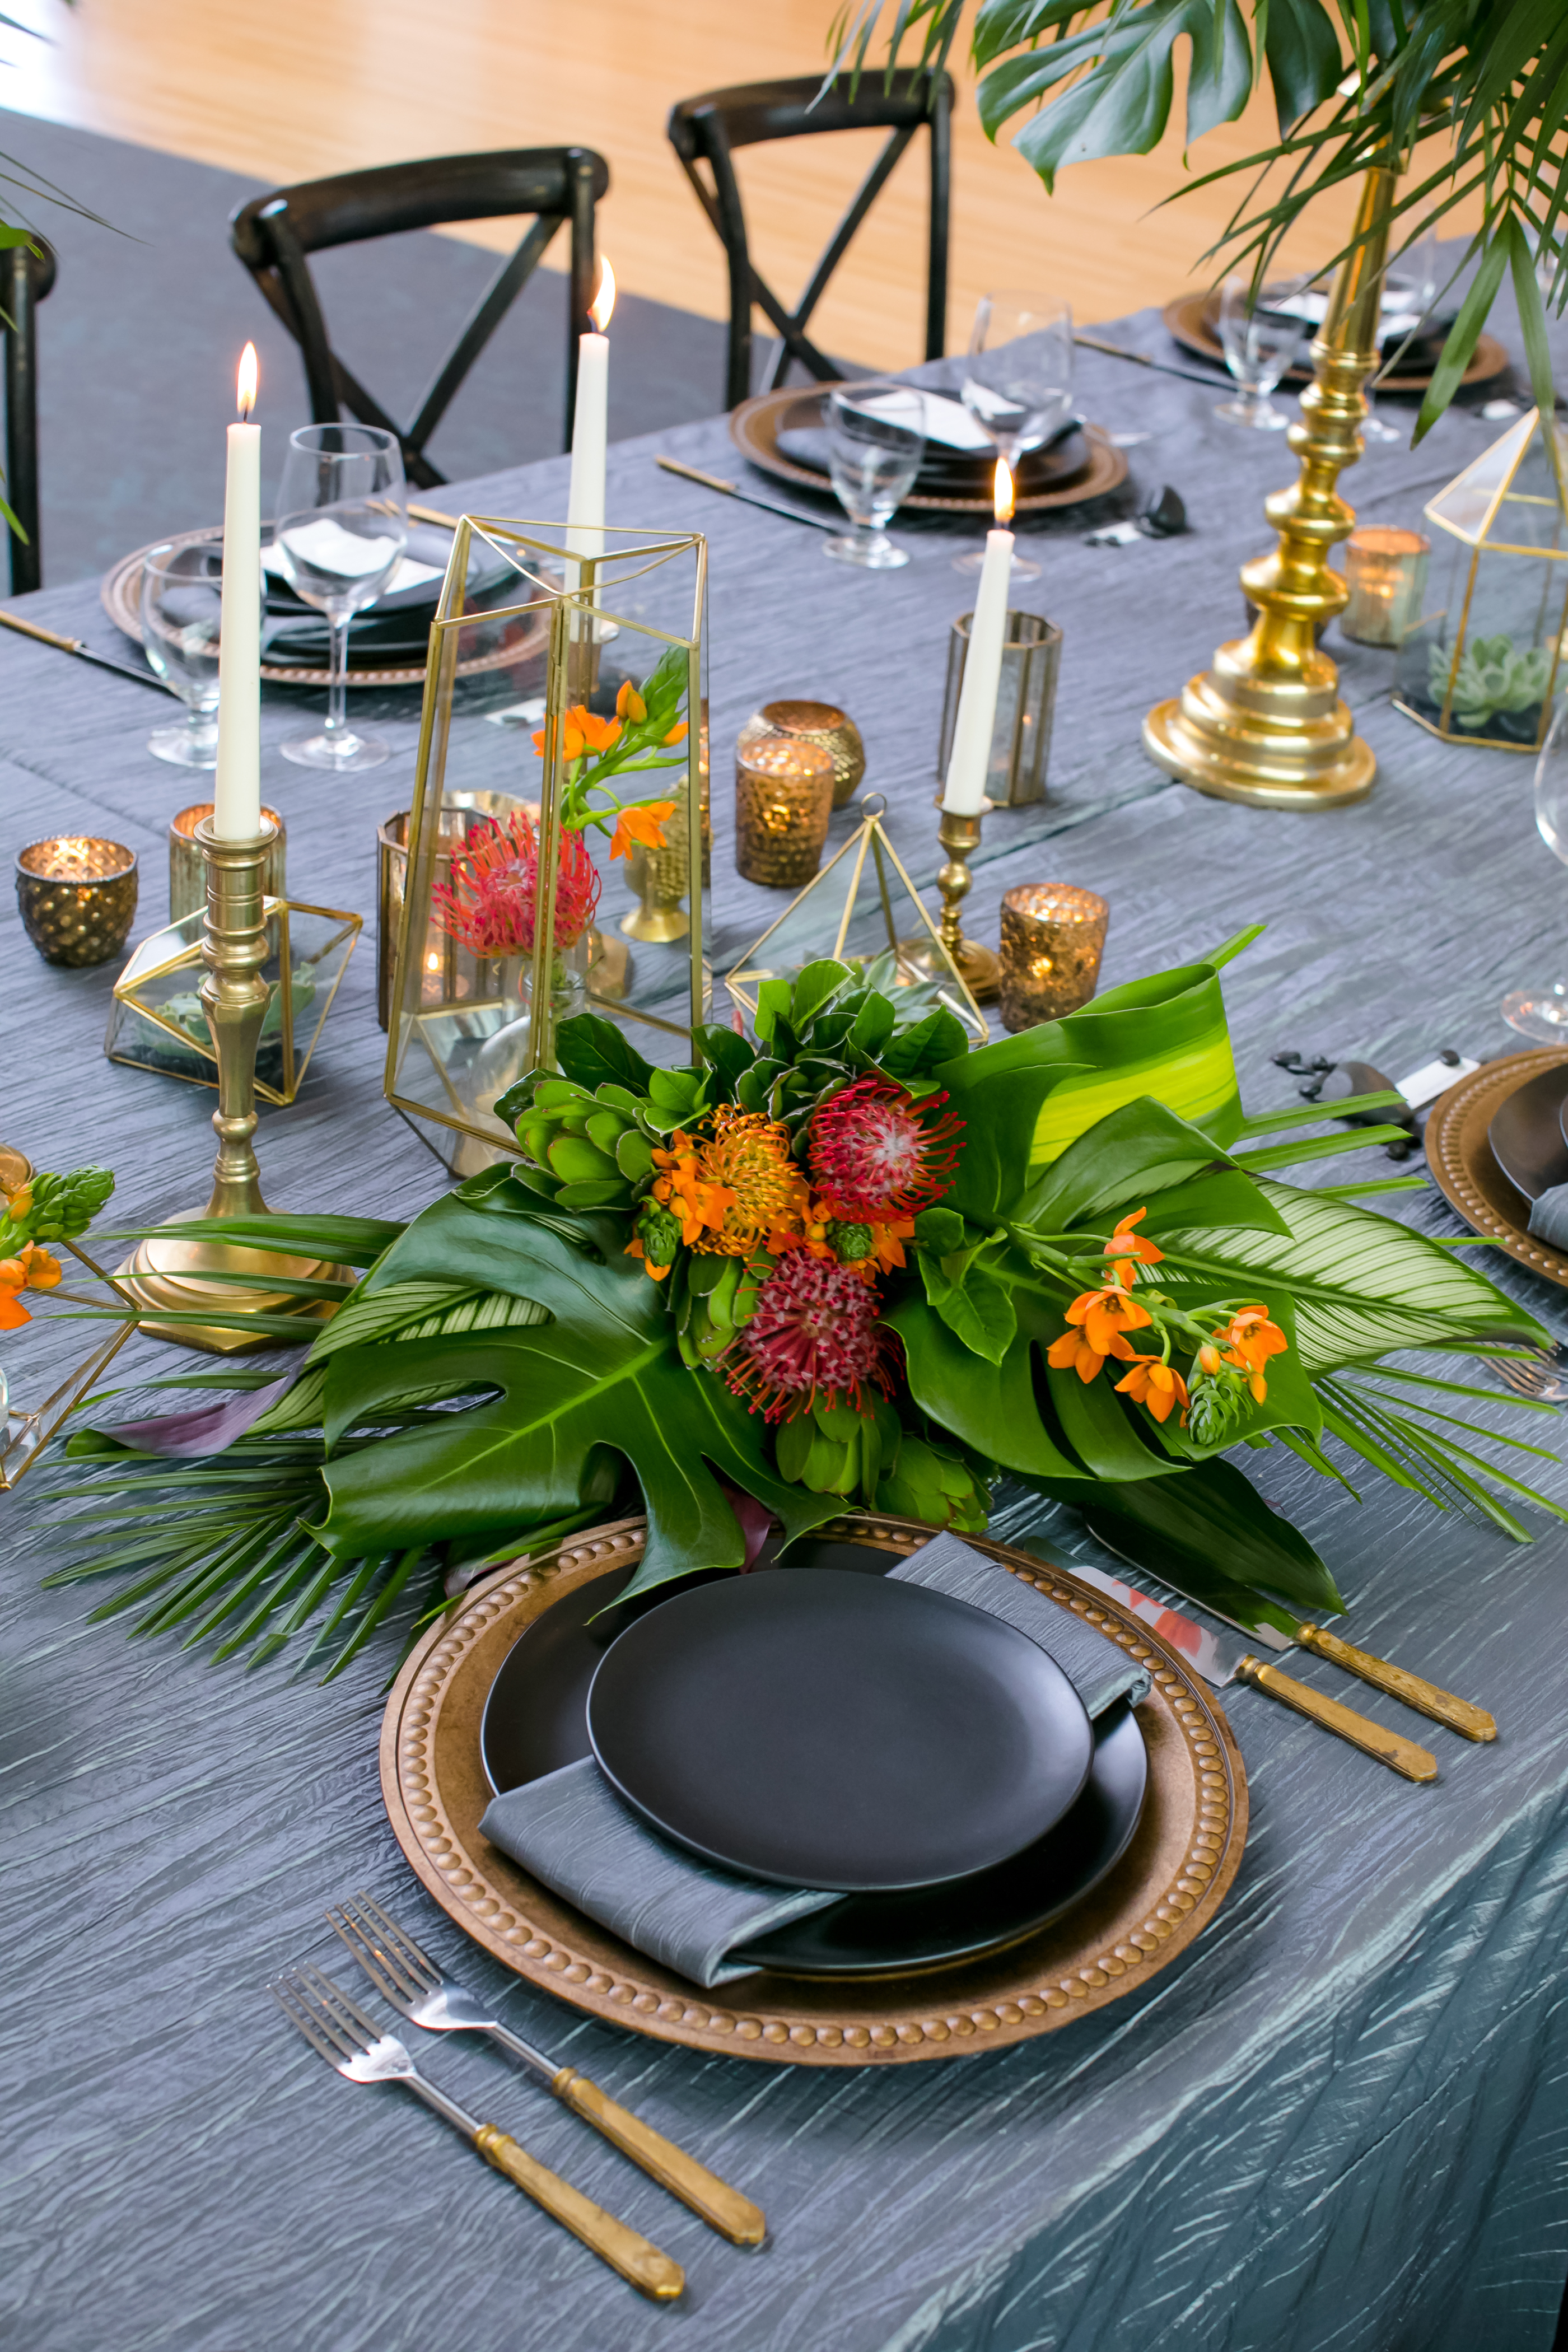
976, 965
179, 1274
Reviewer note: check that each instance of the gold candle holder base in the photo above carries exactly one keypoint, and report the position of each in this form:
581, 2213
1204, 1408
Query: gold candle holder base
1265, 723
977, 966
182, 1275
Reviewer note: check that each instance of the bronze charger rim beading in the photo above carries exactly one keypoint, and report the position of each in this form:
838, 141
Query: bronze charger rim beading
118, 595
1153, 1906
754, 428
1464, 1170
1185, 323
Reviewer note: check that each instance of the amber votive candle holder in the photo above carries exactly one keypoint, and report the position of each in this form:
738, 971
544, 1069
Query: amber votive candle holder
1053, 935
815, 722
78, 896
187, 867
784, 799
1385, 571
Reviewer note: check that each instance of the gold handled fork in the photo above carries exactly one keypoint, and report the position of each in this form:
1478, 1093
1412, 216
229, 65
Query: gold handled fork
347, 2039
406, 1977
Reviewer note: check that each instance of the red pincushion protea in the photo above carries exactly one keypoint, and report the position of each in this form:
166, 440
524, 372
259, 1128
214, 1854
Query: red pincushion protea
878, 1153
489, 904
815, 1338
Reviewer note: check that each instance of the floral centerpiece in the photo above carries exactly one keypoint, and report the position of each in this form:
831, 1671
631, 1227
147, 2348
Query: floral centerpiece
850, 1260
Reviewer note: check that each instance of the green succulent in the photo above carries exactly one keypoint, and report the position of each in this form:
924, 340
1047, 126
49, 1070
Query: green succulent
929, 1482
54, 1208
1492, 676
589, 1150
835, 1450
711, 1299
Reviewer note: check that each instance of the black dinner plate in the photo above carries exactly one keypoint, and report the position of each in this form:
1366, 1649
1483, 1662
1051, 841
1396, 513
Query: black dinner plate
852, 1733
947, 471
934, 1928
396, 629
1527, 1136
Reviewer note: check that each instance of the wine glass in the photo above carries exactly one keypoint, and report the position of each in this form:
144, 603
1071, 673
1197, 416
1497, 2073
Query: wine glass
1017, 385
875, 439
182, 609
1543, 1012
1260, 341
342, 529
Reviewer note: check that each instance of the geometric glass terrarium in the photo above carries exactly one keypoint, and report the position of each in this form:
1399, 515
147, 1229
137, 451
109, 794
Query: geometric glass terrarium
156, 1020
862, 909
1481, 666
592, 737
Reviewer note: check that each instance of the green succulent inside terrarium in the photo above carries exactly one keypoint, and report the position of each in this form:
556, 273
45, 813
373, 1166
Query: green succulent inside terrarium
1494, 676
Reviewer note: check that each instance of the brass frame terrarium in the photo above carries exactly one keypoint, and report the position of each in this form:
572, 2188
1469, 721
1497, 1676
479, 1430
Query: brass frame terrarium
1509, 509
643, 589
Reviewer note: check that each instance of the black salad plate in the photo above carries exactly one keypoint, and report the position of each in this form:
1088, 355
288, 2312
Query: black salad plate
1526, 1133
854, 1733
397, 627
934, 1928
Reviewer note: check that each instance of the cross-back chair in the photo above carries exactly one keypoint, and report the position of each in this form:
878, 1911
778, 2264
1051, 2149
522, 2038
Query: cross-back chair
709, 130
274, 236
24, 278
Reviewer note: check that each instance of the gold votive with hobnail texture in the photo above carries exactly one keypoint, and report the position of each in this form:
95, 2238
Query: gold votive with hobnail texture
1053, 935
187, 868
823, 723
78, 896
1385, 571
783, 800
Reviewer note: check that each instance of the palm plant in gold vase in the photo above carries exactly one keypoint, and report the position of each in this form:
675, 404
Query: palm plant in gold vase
1428, 106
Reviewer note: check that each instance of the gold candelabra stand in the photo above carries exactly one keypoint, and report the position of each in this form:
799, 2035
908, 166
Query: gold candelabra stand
1265, 723
975, 963
177, 1274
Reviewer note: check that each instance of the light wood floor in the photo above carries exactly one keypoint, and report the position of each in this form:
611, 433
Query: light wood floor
288, 89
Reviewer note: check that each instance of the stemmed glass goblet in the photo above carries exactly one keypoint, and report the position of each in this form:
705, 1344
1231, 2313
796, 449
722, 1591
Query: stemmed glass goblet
342, 525
1260, 340
875, 439
1543, 1012
1017, 385
182, 609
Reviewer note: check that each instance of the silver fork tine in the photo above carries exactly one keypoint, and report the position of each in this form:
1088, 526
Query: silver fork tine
391, 1983
399, 1944
338, 2010
302, 2018
304, 2001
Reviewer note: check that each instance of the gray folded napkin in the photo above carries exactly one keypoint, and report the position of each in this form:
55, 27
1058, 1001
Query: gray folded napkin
1549, 1217
570, 1829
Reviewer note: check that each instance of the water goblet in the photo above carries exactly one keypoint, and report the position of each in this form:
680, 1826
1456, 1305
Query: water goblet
182, 611
1017, 385
875, 439
1260, 339
343, 525
1542, 1012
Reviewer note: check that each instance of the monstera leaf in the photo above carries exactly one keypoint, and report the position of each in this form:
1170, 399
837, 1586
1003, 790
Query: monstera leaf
602, 1378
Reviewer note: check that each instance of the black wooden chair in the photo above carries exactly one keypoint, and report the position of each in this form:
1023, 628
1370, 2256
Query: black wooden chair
24, 278
273, 236
707, 129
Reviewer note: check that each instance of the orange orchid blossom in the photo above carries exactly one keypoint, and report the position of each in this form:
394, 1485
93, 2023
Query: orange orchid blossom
642, 823
887, 1238
629, 703
32, 1268
581, 732
1131, 1248
1105, 1315
1156, 1384
1250, 1339
1073, 1353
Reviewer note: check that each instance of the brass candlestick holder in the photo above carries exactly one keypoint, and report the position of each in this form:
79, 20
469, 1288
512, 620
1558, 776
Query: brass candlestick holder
1266, 723
179, 1275
976, 965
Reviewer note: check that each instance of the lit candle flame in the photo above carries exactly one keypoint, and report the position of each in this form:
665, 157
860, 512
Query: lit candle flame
604, 301
245, 388
1002, 497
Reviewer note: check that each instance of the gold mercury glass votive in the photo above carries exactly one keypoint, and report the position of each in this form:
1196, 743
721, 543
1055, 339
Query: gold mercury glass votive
815, 722
784, 799
77, 898
187, 868
1053, 935
1385, 571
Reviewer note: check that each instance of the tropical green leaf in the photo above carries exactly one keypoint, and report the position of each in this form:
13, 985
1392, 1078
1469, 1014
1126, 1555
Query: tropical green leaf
1207, 1529
348, 1241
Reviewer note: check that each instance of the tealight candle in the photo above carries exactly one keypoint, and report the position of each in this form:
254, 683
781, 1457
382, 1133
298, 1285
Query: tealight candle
1385, 571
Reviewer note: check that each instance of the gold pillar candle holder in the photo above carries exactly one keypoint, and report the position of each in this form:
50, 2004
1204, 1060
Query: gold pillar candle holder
823, 723
1265, 723
179, 1274
1053, 935
187, 867
1025, 706
975, 963
783, 800
1385, 573
77, 898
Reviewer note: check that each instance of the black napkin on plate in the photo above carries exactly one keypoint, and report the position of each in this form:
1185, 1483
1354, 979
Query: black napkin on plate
570, 1830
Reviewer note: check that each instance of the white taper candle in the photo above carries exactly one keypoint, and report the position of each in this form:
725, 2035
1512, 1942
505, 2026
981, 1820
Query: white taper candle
236, 791
970, 757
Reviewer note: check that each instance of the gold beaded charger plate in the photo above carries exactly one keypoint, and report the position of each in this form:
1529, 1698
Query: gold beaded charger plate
122, 590
1160, 1896
1189, 322
1465, 1169
756, 424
